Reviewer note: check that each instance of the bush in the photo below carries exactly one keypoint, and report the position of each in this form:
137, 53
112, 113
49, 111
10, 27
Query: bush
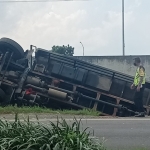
28, 135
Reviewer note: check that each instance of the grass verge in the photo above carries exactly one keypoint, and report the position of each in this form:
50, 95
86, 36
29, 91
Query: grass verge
11, 109
53, 136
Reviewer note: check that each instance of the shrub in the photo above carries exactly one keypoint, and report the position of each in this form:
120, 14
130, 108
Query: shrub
28, 135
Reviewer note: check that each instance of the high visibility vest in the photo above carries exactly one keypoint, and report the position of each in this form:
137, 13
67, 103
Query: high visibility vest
137, 76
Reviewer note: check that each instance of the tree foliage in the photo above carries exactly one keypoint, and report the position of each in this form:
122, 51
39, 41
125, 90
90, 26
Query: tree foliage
66, 50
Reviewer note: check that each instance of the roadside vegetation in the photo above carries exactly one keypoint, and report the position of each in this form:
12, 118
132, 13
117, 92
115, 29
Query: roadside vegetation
60, 135
25, 110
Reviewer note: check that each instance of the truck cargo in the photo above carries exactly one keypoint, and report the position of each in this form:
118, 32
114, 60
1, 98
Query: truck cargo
63, 82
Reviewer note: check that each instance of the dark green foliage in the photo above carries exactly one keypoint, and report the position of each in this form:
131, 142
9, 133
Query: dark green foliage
66, 50
54, 136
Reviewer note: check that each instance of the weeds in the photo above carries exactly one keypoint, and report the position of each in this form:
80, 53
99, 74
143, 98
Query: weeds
11, 109
28, 135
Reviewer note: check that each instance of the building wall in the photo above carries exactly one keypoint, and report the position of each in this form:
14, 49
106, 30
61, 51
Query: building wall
122, 64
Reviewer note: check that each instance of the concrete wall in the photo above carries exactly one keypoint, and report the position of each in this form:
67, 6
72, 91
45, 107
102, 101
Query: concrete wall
122, 64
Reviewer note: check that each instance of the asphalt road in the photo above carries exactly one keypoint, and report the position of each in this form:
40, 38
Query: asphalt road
119, 133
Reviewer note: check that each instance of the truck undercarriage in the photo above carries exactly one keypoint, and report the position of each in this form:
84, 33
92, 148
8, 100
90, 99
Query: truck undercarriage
62, 82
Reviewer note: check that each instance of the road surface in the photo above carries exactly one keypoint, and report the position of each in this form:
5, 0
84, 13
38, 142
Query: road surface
123, 133
119, 133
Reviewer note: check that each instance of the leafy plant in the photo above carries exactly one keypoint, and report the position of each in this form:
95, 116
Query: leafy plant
28, 135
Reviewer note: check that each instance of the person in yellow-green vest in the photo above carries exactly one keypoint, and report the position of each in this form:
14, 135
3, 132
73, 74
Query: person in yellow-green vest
138, 85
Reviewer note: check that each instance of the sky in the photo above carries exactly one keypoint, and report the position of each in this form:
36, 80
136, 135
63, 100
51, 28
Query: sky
95, 23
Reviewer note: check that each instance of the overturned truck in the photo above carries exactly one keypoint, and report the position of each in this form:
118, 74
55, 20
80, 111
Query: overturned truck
62, 82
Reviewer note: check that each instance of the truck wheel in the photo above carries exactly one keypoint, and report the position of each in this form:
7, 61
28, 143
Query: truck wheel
7, 44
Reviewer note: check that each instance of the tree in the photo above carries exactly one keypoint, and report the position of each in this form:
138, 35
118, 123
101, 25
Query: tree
66, 50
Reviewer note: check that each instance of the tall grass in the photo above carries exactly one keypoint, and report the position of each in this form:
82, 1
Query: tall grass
28, 135
11, 109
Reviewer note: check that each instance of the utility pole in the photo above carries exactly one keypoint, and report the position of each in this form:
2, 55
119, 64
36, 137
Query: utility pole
123, 43
83, 48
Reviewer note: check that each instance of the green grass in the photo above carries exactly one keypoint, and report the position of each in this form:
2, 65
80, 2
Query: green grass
27, 135
25, 110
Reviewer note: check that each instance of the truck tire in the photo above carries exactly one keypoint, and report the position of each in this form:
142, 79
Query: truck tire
7, 44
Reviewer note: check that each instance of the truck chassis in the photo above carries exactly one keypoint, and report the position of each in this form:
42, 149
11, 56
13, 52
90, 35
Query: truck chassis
63, 82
